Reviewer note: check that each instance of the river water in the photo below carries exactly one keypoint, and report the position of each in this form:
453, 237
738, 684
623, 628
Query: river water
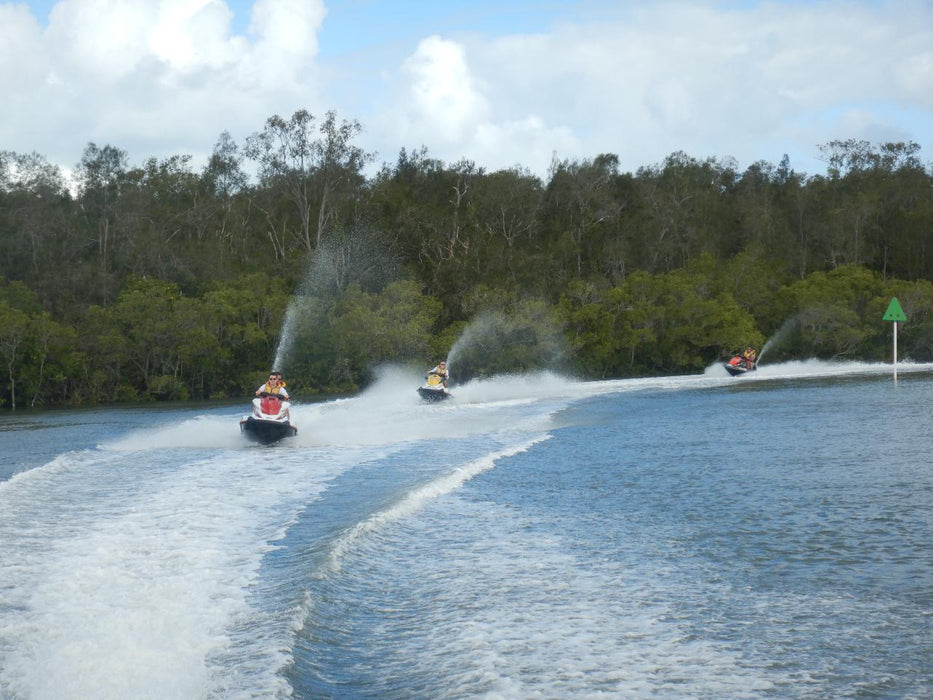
767, 536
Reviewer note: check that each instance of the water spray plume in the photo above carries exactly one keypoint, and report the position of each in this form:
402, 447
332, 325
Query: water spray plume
778, 337
357, 254
497, 342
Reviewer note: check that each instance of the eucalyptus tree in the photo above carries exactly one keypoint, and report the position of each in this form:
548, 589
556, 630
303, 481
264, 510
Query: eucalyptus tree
679, 202
507, 211
755, 198
33, 213
223, 182
170, 223
866, 201
581, 206
446, 228
792, 243
102, 177
14, 329
223, 175
904, 223
429, 208
411, 199
314, 163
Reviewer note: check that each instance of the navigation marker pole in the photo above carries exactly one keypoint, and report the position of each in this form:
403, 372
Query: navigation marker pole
894, 362
894, 313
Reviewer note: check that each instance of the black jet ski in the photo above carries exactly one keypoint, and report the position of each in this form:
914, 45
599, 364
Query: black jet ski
269, 421
737, 366
433, 389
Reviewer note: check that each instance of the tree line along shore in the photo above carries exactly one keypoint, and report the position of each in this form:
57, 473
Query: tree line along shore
164, 281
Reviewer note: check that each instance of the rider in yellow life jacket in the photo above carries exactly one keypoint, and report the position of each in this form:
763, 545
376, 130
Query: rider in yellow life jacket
750, 356
441, 371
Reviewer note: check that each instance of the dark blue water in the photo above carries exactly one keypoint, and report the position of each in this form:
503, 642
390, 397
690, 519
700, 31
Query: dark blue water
704, 537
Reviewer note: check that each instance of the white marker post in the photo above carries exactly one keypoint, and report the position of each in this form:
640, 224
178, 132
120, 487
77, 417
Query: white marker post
894, 313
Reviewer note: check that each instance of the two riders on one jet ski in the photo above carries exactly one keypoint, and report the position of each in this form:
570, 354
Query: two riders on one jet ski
275, 386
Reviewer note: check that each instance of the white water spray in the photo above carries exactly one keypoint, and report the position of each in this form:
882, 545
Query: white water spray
521, 339
474, 335
358, 254
778, 337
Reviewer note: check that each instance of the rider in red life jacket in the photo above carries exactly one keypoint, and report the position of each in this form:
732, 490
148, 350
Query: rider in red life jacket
276, 387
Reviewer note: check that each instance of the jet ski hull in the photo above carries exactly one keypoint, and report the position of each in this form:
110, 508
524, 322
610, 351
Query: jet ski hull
736, 370
433, 395
266, 431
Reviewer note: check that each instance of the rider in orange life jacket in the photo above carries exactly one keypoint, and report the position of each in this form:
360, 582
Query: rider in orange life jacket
441, 371
275, 386
749, 356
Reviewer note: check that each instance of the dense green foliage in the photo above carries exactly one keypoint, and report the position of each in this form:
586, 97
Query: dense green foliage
163, 282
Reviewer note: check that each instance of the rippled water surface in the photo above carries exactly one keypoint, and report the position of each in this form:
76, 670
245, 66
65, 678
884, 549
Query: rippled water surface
766, 536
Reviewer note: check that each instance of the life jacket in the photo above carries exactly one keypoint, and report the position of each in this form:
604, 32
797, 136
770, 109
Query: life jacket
435, 379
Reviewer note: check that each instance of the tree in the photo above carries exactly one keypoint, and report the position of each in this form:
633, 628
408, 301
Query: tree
54, 362
14, 327
580, 204
834, 314
681, 210
101, 177
311, 163
35, 193
394, 324
507, 208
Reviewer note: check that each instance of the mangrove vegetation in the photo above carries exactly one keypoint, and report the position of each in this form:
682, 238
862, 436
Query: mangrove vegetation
123, 282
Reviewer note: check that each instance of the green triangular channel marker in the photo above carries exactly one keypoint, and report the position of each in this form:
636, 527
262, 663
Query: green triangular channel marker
894, 312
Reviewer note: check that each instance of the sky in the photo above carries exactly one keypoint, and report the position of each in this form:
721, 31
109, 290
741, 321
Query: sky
503, 84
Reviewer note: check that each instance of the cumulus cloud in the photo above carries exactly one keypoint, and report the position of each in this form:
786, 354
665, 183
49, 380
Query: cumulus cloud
445, 106
706, 79
443, 93
158, 77
641, 79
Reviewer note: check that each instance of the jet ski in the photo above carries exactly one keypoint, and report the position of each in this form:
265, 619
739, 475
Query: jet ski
269, 421
433, 389
737, 366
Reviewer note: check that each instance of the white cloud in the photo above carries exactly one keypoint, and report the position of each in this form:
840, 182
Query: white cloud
157, 77
189, 35
160, 77
99, 40
442, 91
699, 78
446, 107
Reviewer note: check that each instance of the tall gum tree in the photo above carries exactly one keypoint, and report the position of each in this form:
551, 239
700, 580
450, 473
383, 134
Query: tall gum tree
312, 163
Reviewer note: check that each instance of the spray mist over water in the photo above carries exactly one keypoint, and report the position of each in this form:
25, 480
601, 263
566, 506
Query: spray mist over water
305, 307
497, 342
355, 254
473, 336
779, 337
302, 313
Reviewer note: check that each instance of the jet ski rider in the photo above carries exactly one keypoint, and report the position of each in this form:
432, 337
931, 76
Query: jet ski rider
441, 371
275, 385
750, 356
